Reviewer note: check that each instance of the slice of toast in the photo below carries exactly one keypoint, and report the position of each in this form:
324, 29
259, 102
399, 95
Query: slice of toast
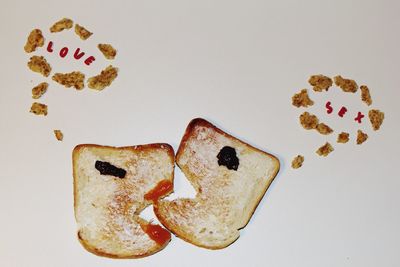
112, 185
229, 187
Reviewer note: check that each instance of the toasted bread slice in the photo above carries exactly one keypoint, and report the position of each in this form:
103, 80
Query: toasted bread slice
111, 187
229, 187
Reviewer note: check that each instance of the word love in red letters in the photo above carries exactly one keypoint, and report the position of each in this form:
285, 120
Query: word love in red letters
342, 112
77, 54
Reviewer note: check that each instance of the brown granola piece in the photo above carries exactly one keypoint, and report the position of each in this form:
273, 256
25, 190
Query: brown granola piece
365, 95
320, 82
361, 137
59, 135
108, 51
73, 79
61, 25
104, 79
35, 40
343, 137
322, 128
308, 121
347, 85
82, 32
39, 109
39, 64
39, 90
302, 99
325, 150
376, 118
297, 162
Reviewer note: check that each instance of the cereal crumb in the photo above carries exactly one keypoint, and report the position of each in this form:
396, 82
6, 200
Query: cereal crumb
361, 137
325, 149
73, 79
82, 32
108, 51
35, 40
365, 95
376, 118
302, 99
39, 90
63, 24
320, 82
322, 128
343, 137
104, 79
347, 85
59, 135
308, 121
297, 162
39, 109
39, 64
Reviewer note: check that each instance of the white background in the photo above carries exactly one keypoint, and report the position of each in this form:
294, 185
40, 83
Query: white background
237, 64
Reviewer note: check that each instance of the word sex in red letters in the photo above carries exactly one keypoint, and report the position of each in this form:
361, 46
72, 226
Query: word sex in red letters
342, 112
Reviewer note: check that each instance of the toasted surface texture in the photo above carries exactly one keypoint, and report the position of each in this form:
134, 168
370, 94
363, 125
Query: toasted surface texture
107, 207
226, 198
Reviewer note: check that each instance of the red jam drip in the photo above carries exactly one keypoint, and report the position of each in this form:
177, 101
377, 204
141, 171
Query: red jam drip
161, 189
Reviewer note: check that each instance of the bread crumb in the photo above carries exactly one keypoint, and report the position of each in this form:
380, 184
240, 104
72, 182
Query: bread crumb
82, 32
376, 118
361, 137
365, 95
39, 109
302, 99
59, 135
308, 121
63, 24
325, 150
104, 79
39, 90
343, 137
108, 51
73, 79
297, 162
324, 129
320, 82
39, 64
35, 40
347, 85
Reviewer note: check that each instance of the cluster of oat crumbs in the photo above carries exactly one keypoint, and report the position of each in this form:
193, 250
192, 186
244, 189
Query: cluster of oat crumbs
108, 51
39, 90
376, 118
361, 137
39, 109
83, 33
343, 137
324, 129
325, 150
302, 99
59, 135
297, 162
73, 79
347, 85
320, 82
104, 79
63, 24
308, 121
365, 95
39, 64
35, 40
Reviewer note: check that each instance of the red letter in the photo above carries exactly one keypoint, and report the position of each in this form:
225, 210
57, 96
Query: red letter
342, 111
50, 47
89, 60
359, 117
78, 55
64, 52
329, 109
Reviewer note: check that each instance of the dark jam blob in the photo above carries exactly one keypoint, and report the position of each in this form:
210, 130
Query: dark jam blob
106, 168
227, 157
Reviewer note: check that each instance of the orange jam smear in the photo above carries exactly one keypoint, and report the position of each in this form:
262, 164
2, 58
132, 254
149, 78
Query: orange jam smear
156, 233
162, 188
